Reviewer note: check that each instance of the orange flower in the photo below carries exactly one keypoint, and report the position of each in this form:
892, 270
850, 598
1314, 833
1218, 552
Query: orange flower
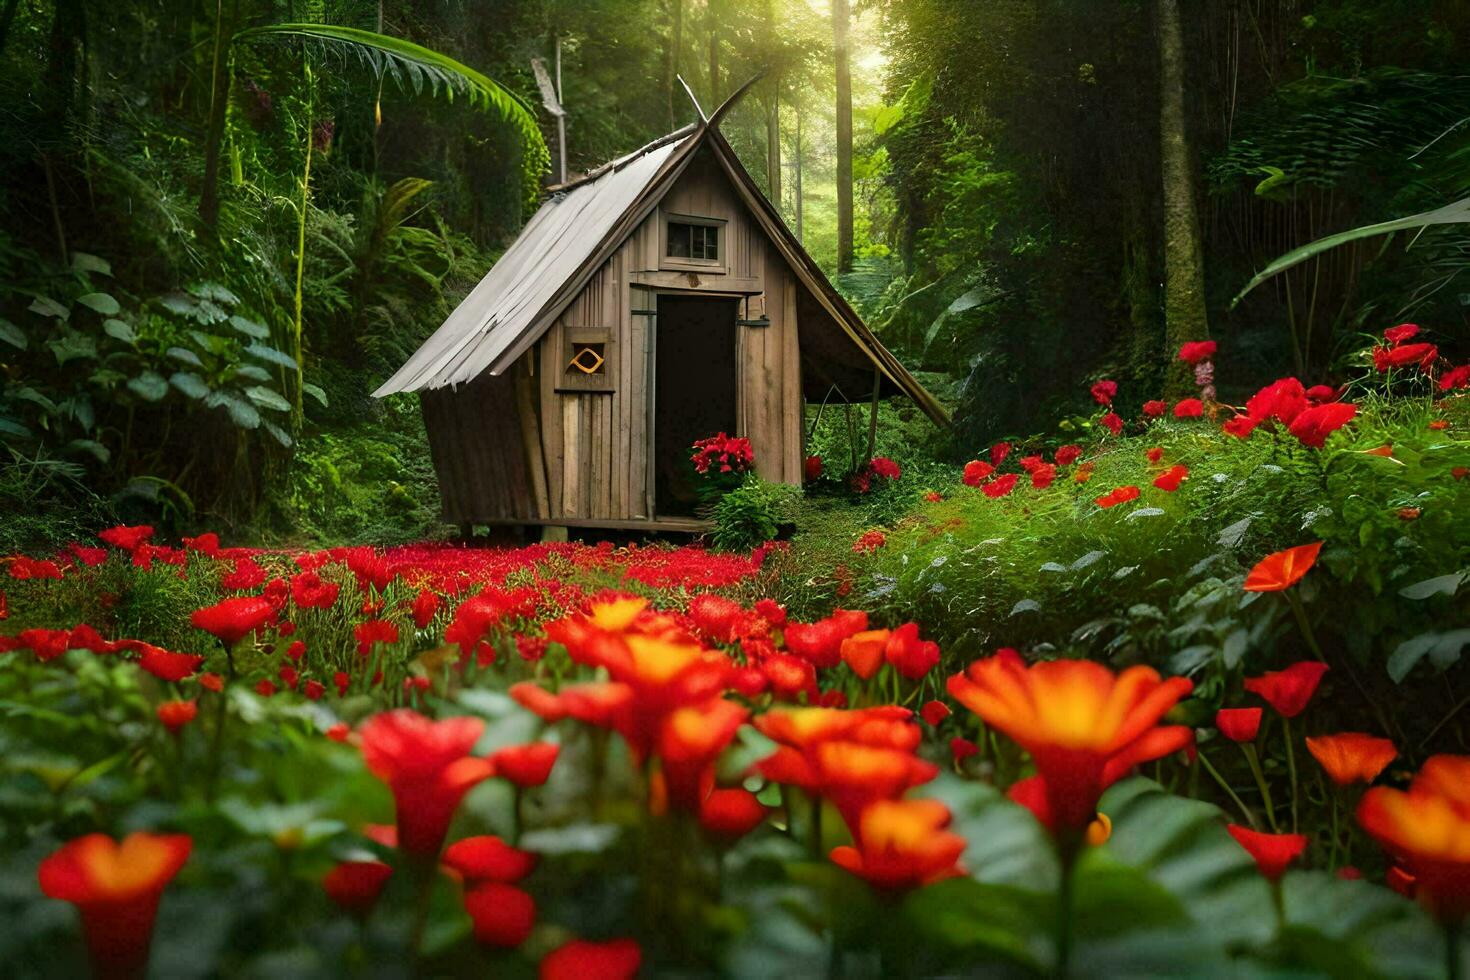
1352, 757
692, 739
116, 888
863, 652
902, 844
174, 715
1283, 569
1427, 831
428, 767
1084, 726
1271, 852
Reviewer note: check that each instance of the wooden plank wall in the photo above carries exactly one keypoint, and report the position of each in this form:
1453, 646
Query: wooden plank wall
475, 439
596, 444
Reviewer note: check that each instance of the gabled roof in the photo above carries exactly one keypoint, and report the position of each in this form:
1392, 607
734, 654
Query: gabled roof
569, 239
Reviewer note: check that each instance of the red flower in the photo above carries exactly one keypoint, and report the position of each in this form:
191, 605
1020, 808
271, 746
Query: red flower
116, 888
340, 732
730, 814
821, 642
371, 632
47, 644
1409, 513
502, 914
863, 652
1197, 350
1154, 409
428, 768
314, 690
1103, 392
1313, 425
212, 682
1404, 331
1404, 355
962, 748
1271, 852
583, 960
910, 656
127, 538
1067, 455
1188, 408
1112, 422
531, 648
310, 592
233, 619
1239, 724
869, 541
934, 712
999, 452
1241, 426
813, 468
902, 844
265, 688
1454, 378
355, 885
1000, 486
1170, 479
488, 858
1042, 475
1289, 690
933, 496
207, 544
1154, 454
167, 665
1282, 569
976, 472
1121, 495
1282, 400
1352, 757
526, 765
174, 715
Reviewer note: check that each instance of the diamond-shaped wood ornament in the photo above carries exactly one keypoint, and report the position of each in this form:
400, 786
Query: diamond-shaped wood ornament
587, 359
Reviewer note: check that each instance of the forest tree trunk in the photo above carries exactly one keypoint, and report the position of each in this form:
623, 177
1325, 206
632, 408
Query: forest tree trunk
841, 17
676, 41
796, 176
1184, 276
218, 106
713, 13
773, 143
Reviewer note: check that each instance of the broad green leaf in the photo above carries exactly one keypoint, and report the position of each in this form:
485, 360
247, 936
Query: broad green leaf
84, 262
11, 427
252, 372
1440, 585
266, 398
1455, 213
149, 386
101, 302
249, 327
215, 292
271, 356
46, 306
186, 356
12, 334
190, 384
71, 346
119, 330
316, 392
278, 433
90, 446
242, 413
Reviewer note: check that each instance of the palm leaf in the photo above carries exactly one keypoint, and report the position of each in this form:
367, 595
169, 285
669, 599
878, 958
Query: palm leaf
399, 58
1450, 214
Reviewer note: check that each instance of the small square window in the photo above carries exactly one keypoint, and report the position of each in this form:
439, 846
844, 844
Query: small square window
687, 240
589, 360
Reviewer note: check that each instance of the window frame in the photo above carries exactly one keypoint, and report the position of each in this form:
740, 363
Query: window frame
681, 263
576, 381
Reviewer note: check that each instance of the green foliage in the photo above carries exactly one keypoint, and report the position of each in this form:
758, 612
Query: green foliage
751, 514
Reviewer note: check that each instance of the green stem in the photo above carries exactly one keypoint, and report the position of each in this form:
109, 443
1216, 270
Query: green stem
1306, 626
1452, 960
1255, 763
1291, 768
1064, 914
424, 873
517, 817
1249, 816
1336, 833
814, 831
301, 247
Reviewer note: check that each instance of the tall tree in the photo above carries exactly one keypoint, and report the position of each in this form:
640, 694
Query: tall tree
773, 110
841, 24
1184, 272
671, 63
712, 17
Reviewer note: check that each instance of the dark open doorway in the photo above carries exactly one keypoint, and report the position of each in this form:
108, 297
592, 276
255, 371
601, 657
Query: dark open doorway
694, 391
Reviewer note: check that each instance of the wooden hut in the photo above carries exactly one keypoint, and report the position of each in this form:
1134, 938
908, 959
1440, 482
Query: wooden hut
654, 301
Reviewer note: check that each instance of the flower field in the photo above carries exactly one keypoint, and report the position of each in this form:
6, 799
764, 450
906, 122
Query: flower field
570, 760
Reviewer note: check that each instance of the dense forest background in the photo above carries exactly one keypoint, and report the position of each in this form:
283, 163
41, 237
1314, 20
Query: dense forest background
223, 223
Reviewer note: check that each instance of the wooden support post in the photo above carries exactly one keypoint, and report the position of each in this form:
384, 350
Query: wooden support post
873, 414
